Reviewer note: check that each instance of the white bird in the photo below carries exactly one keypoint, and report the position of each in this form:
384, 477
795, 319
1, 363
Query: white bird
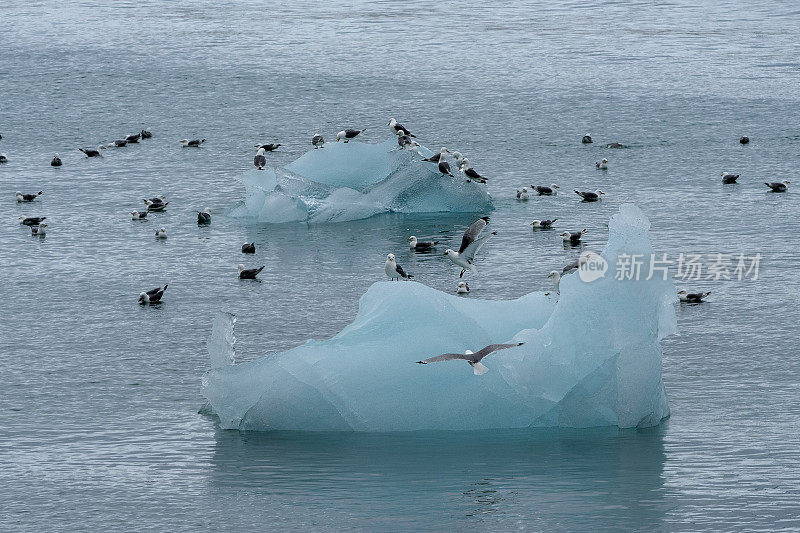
463, 287
458, 157
260, 160
470, 244
555, 277
161, 233
469, 172
138, 215
602, 165
474, 359
393, 270
522, 194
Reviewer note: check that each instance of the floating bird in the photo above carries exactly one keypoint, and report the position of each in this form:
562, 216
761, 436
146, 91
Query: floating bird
93, 152
470, 244
152, 296
543, 190
543, 224
204, 216
161, 233
435, 157
587, 139
39, 230
349, 134
615, 145
573, 238
31, 221
555, 278
260, 159
589, 196
3, 158
395, 271
399, 128
471, 173
56, 161
444, 166
778, 186
195, 143
154, 200
157, 207
318, 141
463, 287
146, 134
249, 248
421, 246
727, 177
1, 136
249, 273
602, 165
522, 194
119, 143
138, 215
474, 359
268, 147
694, 298
744, 140
133, 138
27, 197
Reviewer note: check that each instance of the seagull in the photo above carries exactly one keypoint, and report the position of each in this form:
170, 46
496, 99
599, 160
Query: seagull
138, 215
778, 186
444, 166
31, 221
27, 197
119, 143
590, 196
543, 190
727, 177
694, 298
474, 359
395, 271
56, 161
463, 287
573, 237
471, 173
157, 207
399, 128
133, 138
458, 157
435, 157
3, 158
543, 224
152, 296
587, 139
161, 233
744, 140
268, 147
470, 244
146, 134
555, 277
260, 159
155, 200
405, 141
615, 145
193, 143
248, 273
317, 141
204, 216
522, 194
39, 230
421, 246
348, 134
249, 248
602, 165
92, 152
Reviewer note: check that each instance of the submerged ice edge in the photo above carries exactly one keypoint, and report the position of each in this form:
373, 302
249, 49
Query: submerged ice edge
592, 358
353, 181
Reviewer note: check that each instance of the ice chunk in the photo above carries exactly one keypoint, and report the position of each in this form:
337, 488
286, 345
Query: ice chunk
352, 181
591, 359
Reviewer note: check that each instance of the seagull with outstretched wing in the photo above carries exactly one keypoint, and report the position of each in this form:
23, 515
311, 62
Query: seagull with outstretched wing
474, 359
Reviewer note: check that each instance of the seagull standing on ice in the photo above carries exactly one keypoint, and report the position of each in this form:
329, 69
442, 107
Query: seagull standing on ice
406, 142
444, 166
463, 287
437, 156
471, 173
555, 277
260, 160
317, 141
395, 271
470, 244
474, 359
399, 128
348, 134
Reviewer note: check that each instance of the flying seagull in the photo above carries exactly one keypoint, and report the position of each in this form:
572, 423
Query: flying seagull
395, 271
474, 359
471, 242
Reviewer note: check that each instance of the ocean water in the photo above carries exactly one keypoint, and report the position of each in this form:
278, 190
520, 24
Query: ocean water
99, 401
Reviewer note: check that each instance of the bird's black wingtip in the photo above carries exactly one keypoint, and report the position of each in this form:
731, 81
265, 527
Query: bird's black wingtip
421, 363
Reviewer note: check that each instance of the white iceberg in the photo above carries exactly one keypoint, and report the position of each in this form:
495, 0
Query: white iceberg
352, 181
592, 358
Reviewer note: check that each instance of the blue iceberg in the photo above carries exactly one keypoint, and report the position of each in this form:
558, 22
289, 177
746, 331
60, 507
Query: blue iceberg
352, 181
590, 358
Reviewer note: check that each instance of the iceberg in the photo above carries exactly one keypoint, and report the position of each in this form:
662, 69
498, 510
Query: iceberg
351, 181
591, 357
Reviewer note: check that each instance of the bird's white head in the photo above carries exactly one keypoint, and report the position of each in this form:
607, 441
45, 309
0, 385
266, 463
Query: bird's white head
392, 122
240, 267
525, 190
462, 285
412, 239
390, 258
21, 219
554, 186
56, 155
449, 252
101, 147
536, 223
566, 235
340, 136
554, 275
468, 352
260, 151
207, 210
143, 297
588, 135
604, 160
598, 192
785, 182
